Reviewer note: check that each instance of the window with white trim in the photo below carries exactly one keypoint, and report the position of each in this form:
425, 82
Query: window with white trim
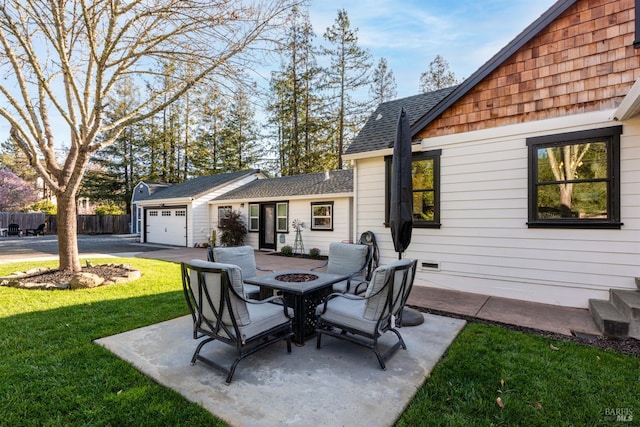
282, 217
254, 217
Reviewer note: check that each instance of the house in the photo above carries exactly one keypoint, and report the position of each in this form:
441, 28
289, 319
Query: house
179, 214
321, 202
142, 190
527, 174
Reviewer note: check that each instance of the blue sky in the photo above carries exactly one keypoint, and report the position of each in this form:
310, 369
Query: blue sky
410, 33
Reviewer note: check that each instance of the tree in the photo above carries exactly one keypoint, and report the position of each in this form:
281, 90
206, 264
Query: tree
239, 148
438, 76
65, 58
347, 72
296, 106
383, 85
15, 193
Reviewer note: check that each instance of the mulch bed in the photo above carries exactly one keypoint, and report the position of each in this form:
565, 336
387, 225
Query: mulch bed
628, 346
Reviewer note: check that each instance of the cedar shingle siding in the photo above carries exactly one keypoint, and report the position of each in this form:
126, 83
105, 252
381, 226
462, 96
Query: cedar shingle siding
583, 61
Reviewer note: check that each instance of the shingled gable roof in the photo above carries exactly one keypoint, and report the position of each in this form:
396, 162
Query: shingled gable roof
200, 185
379, 130
340, 181
505, 53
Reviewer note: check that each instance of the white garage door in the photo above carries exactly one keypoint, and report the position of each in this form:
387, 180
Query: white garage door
167, 226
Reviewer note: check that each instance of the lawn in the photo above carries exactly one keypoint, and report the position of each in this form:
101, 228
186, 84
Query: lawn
52, 374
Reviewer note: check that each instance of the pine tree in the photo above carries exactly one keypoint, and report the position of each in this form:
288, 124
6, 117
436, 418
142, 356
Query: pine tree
383, 85
348, 71
438, 76
239, 145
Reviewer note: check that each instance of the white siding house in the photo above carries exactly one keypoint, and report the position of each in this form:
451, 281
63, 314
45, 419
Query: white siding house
558, 84
322, 202
179, 215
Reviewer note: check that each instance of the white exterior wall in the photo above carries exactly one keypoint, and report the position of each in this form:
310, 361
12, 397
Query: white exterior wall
301, 209
484, 245
200, 225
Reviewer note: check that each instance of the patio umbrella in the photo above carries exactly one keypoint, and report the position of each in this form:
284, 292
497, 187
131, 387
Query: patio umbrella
401, 206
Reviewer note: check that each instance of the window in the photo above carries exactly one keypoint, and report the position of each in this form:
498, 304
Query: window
322, 216
153, 213
574, 179
166, 213
426, 188
181, 213
223, 212
282, 214
254, 217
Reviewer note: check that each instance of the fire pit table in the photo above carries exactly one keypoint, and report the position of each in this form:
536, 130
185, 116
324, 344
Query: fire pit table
302, 290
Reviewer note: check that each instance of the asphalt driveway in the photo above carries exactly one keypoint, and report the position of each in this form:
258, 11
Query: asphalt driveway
27, 247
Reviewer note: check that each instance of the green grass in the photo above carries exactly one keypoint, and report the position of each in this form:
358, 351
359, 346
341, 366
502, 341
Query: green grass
541, 382
52, 374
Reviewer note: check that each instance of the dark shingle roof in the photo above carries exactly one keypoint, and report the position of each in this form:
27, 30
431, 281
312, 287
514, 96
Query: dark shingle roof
199, 185
379, 131
340, 181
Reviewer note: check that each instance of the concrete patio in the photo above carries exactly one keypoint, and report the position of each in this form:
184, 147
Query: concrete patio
340, 384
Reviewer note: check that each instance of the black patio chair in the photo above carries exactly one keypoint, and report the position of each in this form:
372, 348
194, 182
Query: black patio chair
35, 231
14, 230
364, 319
220, 312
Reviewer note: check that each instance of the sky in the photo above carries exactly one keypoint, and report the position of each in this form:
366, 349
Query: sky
410, 33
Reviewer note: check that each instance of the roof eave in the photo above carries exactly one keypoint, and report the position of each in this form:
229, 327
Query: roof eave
630, 105
281, 198
505, 53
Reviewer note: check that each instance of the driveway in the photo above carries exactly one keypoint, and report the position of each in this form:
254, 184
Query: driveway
29, 247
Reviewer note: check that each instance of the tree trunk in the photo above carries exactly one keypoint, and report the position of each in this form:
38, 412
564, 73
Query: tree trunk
67, 233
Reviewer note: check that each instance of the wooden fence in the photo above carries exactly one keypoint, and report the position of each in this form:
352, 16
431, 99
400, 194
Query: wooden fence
87, 224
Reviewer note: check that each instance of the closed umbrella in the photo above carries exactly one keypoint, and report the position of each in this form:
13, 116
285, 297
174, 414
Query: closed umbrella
401, 207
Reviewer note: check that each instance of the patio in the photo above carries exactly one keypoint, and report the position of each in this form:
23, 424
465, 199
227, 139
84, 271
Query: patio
340, 384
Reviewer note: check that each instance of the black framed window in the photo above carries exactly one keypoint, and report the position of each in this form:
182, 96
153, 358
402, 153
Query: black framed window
574, 179
223, 213
426, 188
322, 216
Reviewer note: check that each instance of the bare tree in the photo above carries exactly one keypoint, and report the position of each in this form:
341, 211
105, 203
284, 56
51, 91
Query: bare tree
61, 60
438, 76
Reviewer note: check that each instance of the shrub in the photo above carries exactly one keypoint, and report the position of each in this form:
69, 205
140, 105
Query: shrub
287, 250
232, 229
108, 209
45, 206
314, 252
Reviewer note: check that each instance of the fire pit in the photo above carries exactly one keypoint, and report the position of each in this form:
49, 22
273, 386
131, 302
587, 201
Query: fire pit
296, 277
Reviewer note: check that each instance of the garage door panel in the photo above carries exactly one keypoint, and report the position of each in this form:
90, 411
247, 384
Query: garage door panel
167, 226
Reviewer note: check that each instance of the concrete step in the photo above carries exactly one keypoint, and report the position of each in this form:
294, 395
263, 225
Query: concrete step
608, 318
627, 302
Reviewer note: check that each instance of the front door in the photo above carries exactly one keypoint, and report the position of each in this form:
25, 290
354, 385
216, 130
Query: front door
268, 226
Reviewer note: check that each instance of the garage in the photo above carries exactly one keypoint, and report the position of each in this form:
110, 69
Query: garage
166, 226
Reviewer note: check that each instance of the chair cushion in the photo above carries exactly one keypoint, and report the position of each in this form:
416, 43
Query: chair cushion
263, 317
242, 256
347, 258
346, 312
212, 281
376, 305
